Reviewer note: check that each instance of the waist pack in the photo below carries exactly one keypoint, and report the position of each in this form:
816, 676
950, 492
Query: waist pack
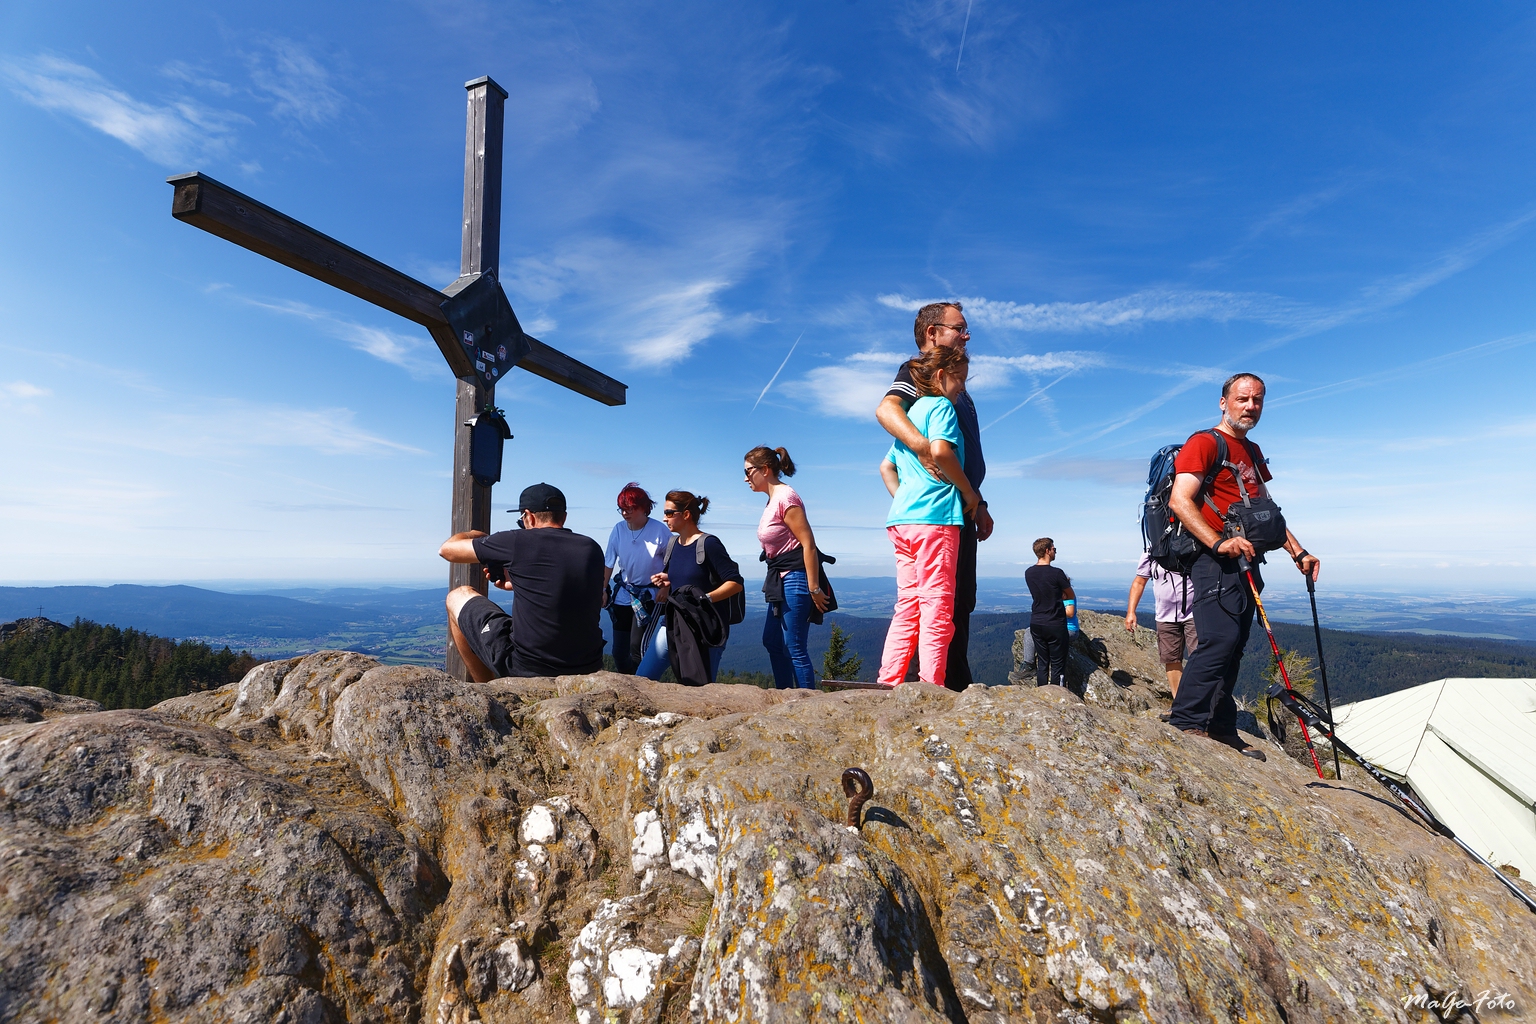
733, 609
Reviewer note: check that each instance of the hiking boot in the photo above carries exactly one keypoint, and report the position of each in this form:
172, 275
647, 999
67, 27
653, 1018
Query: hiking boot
1240, 745
1196, 732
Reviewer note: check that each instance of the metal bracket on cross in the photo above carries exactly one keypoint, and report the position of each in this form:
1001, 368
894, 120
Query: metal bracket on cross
487, 431
484, 324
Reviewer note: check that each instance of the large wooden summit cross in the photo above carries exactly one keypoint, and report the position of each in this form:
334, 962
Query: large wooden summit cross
474, 301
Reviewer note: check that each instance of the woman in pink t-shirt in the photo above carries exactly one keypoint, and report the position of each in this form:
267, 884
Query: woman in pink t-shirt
789, 548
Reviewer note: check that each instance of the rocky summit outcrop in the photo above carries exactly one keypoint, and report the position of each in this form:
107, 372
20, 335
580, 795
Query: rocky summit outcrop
336, 840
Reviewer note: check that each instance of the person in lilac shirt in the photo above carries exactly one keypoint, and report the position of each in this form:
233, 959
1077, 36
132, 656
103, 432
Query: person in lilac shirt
1171, 603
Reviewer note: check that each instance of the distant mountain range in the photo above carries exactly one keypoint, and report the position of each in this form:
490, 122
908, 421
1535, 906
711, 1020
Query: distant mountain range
406, 625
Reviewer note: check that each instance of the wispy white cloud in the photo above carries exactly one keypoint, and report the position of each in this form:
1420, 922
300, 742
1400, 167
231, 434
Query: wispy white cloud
418, 356
296, 84
1390, 292
1038, 393
22, 389
1142, 307
236, 425
1284, 217
171, 134
990, 374
181, 71
979, 72
1394, 291
852, 388
1396, 373
687, 316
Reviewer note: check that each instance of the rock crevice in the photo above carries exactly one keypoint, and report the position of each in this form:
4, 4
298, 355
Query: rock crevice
332, 839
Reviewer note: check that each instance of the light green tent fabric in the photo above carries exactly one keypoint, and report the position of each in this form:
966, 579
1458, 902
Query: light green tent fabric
1468, 749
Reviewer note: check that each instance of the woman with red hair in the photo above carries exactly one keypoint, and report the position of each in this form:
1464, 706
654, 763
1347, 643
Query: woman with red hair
633, 556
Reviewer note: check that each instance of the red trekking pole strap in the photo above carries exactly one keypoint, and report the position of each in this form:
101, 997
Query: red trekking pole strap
1279, 661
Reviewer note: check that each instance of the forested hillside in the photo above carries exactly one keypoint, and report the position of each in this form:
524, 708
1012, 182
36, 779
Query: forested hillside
118, 668
1362, 665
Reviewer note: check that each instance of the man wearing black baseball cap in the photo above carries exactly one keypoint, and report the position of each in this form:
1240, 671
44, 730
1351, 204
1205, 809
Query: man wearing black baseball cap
557, 577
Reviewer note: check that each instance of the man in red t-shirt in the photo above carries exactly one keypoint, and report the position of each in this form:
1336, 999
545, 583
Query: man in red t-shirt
1223, 607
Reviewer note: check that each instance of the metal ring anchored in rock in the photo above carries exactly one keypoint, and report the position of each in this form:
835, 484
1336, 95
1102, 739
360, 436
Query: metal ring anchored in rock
858, 787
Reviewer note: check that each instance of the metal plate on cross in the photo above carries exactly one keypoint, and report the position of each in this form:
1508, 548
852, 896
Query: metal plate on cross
483, 321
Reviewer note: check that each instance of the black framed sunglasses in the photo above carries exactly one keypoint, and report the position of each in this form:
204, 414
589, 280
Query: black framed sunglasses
668, 513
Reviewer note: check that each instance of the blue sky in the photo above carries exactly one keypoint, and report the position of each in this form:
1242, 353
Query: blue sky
1132, 201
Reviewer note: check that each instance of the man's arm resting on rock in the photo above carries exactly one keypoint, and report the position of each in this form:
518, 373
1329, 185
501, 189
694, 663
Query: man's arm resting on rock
892, 415
460, 547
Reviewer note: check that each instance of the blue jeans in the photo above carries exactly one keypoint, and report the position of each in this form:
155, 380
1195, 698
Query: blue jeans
786, 634
659, 657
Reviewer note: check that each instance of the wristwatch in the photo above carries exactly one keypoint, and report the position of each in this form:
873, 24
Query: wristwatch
818, 590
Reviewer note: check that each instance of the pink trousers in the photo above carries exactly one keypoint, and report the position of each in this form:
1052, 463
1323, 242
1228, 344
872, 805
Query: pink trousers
926, 557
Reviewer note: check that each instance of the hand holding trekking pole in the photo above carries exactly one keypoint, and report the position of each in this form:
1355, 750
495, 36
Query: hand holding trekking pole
1240, 548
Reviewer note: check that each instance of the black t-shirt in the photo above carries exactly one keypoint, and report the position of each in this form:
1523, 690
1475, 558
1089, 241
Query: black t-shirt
975, 464
557, 592
1046, 582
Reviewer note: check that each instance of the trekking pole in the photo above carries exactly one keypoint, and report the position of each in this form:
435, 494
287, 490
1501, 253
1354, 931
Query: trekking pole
1322, 666
1279, 661
1307, 710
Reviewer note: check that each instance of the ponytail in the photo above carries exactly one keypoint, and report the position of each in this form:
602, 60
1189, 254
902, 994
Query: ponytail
689, 502
775, 460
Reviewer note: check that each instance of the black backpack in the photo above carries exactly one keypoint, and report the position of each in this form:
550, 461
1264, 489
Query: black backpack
733, 609
1164, 537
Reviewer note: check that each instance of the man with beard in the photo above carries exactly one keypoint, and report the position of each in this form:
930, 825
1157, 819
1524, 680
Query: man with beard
1223, 604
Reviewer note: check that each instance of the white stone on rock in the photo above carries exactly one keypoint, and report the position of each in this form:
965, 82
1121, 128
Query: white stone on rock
648, 849
540, 825
515, 969
631, 976
696, 851
649, 760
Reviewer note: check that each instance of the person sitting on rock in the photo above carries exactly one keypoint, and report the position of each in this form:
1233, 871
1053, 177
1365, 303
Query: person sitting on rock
557, 577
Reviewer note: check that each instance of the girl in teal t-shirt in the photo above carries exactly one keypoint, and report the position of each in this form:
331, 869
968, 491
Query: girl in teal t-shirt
924, 522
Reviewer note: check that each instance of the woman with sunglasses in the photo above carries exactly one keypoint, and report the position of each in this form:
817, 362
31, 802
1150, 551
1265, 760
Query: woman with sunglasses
789, 548
717, 575
633, 556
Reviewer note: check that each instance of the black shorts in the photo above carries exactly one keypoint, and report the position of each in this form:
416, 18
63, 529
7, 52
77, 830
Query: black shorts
488, 630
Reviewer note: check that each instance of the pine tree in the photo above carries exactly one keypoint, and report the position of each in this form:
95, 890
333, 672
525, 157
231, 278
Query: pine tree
1298, 666
840, 663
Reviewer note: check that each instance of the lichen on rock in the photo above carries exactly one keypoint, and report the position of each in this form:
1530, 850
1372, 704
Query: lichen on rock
334, 839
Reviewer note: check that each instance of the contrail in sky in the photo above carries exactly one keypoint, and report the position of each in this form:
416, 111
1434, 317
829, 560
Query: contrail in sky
963, 29
776, 374
1032, 396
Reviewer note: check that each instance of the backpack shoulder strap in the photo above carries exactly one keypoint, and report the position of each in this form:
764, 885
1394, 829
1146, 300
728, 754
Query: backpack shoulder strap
666, 559
699, 548
1216, 467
